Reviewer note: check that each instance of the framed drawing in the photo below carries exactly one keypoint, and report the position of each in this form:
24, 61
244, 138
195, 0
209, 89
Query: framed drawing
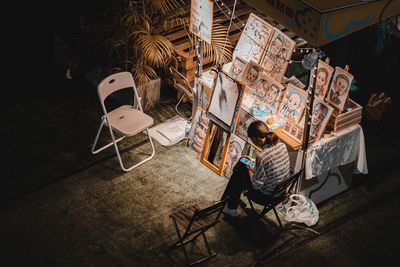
233, 155
274, 94
225, 101
197, 133
243, 123
254, 39
237, 68
339, 89
321, 114
324, 75
215, 148
276, 57
201, 18
251, 73
293, 103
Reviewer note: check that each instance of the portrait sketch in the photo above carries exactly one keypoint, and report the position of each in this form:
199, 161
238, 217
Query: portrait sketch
243, 123
324, 75
226, 95
237, 68
293, 103
197, 131
251, 73
274, 95
233, 155
254, 39
339, 88
321, 114
201, 19
276, 57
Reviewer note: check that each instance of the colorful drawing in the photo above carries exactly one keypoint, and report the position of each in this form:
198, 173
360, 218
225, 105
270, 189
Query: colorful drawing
293, 103
339, 89
276, 58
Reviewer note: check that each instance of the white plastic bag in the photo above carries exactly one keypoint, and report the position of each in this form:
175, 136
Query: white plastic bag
301, 209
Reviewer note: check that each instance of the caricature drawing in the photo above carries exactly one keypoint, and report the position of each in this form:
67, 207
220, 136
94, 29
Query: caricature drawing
339, 88
237, 68
293, 103
318, 116
233, 156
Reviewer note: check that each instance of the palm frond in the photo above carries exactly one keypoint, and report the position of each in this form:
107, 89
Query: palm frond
143, 73
166, 6
155, 50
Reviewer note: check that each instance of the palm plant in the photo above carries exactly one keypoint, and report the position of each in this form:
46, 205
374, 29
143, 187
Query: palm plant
134, 36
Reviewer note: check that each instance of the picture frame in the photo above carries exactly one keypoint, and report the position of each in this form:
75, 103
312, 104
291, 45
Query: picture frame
202, 19
235, 150
294, 130
254, 39
225, 101
293, 103
339, 88
215, 148
243, 122
237, 68
251, 73
274, 94
321, 113
197, 132
323, 77
277, 55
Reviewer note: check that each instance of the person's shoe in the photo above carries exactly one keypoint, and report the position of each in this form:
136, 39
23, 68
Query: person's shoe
231, 212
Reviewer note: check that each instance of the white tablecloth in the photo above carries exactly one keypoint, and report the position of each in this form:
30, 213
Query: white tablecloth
339, 149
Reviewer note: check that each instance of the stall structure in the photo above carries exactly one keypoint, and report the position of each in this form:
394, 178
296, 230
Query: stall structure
254, 87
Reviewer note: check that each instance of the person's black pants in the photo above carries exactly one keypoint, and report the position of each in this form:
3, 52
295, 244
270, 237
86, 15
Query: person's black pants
239, 182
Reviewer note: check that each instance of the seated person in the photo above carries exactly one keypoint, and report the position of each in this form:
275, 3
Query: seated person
272, 166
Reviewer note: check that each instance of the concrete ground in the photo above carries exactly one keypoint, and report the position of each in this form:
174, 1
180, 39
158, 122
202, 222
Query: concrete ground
63, 206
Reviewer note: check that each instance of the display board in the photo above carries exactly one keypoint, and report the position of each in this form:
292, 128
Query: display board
201, 18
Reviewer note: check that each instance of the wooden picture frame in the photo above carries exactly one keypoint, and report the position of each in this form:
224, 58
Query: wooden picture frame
197, 132
237, 68
243, 122
254, 39
323, 78
339, 88
293, 103
321, 113
215, 148
251, 73
294, 130
202, 19
235, 150
277, 55
225, 101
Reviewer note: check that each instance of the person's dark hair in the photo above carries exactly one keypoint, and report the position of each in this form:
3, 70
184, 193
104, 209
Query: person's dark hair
259, 129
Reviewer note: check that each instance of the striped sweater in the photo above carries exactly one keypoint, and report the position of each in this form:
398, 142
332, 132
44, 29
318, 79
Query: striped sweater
272, 167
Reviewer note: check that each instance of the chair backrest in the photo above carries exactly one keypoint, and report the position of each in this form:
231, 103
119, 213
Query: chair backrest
206, 217
286, 185
181, 83
115, 82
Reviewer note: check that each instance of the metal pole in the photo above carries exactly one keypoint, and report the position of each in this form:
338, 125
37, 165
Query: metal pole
198, 71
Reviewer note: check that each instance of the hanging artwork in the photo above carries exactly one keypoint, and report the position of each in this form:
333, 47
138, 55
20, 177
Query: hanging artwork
197, 131
324, 75
321, 114
243, 123
237, 68
276, 58
201, 18
254, 39
339, 89
225, 101
251, 73
274, 94
233, 155
293, 103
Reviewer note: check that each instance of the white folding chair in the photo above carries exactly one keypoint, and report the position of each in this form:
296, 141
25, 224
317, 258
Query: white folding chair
126, 120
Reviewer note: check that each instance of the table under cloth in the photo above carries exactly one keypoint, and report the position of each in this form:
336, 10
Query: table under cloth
336, 150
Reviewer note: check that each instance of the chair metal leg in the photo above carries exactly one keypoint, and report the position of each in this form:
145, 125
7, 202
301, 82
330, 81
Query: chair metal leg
177, 111
181, 243
137, 164
97, 138
277, 217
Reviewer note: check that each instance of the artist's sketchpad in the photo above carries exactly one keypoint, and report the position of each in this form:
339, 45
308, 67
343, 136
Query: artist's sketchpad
169, 132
